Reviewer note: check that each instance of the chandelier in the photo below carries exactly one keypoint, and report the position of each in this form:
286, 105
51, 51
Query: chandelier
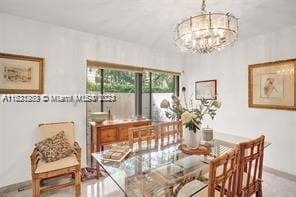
207, 32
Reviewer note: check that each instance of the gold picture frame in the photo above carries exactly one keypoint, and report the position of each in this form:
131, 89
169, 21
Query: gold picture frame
272, 85
21, 74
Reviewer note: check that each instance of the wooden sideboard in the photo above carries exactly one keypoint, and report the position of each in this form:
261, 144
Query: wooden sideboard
112, 131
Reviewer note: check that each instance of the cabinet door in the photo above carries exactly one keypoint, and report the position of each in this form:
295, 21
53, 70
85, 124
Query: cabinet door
123, 133
108, 135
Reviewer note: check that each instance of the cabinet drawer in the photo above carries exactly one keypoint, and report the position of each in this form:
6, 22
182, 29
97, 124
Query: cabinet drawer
141, 124
108, 135
123, 133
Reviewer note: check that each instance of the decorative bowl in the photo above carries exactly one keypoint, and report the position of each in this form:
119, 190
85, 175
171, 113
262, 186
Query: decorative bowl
99, 116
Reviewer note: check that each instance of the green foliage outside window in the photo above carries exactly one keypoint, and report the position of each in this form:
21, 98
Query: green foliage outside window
146, 83
124, 82
95, 87
161, 83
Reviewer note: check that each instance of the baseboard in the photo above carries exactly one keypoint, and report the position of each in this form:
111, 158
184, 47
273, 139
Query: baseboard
279, 173
28, 184
16, 187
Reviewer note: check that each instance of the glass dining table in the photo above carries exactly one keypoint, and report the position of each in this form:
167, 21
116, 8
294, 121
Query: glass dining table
158, 172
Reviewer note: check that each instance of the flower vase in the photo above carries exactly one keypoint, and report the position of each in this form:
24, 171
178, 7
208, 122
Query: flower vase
191, 139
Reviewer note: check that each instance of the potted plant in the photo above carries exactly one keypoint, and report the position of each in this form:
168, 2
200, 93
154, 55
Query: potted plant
191, 116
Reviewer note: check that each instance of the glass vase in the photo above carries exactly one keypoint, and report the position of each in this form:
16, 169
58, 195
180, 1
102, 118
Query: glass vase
191, 139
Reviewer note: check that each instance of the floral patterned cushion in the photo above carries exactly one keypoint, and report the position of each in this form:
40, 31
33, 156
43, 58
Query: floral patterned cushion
55, 147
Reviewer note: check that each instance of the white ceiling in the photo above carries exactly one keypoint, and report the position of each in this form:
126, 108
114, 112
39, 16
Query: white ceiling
151, 22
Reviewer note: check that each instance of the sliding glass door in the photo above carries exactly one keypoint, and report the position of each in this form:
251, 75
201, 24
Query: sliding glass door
137, 94
94, 86
162, 88
156, 87
122, 85
146, 95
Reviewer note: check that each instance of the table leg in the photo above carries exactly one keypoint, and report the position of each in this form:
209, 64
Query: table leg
98, 170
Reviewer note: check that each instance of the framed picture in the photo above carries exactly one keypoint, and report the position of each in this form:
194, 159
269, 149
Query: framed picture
206, 90
272, 85
21, 74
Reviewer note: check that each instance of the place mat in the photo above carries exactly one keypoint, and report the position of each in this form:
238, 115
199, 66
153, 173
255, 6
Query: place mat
201, 150
117, 160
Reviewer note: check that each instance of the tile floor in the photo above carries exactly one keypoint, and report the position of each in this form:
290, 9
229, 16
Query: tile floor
273, 186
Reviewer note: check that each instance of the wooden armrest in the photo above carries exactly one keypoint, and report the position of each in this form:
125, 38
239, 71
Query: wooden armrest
77, 151
35, 157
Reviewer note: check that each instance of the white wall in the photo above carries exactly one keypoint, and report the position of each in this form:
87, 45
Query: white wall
65, 52
1, 141
230, 68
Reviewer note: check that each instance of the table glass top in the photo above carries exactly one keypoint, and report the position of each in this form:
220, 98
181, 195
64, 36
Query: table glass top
159, 171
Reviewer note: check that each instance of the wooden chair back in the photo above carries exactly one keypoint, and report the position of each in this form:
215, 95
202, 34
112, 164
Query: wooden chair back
223, 174
143, 134
250, 167
170, 132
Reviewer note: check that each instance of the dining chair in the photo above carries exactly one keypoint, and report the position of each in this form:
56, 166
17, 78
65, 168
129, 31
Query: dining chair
70, 165
222, 177
144, 137
250, 167
170, 132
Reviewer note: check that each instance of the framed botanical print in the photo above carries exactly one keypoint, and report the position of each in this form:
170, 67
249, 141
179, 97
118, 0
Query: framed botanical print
273, 85
21, 74
206, 90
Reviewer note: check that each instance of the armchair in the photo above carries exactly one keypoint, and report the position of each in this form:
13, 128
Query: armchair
69, 165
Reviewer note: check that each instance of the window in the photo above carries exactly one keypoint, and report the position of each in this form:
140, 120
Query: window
146, 95
156, 87
162, 88
93, 86
122, 85
119, 83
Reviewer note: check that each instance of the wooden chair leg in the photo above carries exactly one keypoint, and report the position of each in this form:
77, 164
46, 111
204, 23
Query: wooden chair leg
36, 187
98, 170
259, 193
33, 187
78, 183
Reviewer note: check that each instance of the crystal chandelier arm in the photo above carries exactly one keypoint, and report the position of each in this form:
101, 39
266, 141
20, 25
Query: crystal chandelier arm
203, 6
